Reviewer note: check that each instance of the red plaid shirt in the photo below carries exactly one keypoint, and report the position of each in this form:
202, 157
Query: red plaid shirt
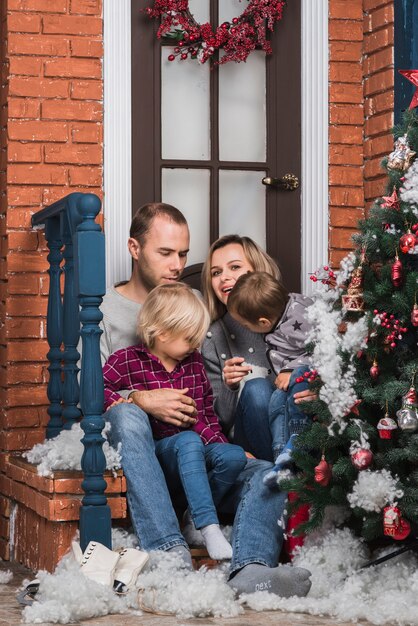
136, 368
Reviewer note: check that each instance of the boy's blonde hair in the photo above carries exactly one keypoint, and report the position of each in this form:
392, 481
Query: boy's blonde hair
259, 260
174, 309
256, 295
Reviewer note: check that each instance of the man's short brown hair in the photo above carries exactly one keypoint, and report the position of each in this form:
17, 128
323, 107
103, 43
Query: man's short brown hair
146, 214
256, 295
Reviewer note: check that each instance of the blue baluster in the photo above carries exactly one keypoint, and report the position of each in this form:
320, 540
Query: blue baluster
54, 327
71, 333
95, 518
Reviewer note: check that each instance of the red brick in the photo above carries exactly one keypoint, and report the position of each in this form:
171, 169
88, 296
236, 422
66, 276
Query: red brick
24, 351
378, 40
36, 174
21, 439
72, 25
51, 194
347, 218
375, 188
371, 5
23, 23
24, 328
25, 373
24, 417
345, 30
86, 133
336, 256
373, 168
23, 306
23, 240
19, 218
23, 283
73, 68
379, 60
379, 82
378, 146
74, 110
379, 124
38, 88
23, 196
28, 395
86, 48
86, 7
29, 262
348, 93
345, 51
38, 131
87, 90
24, 152
25, 66
346, 176
85, 176
341, 154
379, 103
346, 114
341, 238
73, 154
40, 45
346, 134
341, 9
345, 72
40, 6
379, 18
346, 197
24, 108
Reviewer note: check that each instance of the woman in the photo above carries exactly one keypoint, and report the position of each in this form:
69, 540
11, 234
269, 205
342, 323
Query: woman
235, 358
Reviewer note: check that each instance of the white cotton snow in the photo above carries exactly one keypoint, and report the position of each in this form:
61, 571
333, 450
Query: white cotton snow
409, 189
5, 577
373, 490
64, 452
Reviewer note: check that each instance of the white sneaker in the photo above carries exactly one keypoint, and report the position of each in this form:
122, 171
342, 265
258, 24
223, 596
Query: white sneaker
131, 562
99, 563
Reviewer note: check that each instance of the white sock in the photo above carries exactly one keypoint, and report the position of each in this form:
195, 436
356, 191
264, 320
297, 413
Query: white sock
216, 544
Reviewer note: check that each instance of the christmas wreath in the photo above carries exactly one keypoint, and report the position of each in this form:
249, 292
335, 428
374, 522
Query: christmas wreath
199, 41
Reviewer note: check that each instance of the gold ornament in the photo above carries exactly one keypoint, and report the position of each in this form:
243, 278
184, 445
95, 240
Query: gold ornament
353, 299
402, 155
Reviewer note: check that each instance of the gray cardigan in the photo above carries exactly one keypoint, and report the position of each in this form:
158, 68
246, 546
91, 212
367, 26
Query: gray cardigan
227, 338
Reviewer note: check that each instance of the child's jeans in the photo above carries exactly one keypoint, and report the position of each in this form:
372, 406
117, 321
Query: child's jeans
285, 417
205, 472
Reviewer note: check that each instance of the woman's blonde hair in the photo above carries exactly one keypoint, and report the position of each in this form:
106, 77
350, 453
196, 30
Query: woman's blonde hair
174, 309
259, 260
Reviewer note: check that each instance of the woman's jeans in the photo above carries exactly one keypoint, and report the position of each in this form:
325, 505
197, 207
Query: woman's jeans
251, 425
285, 417
256, 535
186, 461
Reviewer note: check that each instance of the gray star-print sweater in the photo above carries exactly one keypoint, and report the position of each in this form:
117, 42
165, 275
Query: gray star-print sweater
287, 342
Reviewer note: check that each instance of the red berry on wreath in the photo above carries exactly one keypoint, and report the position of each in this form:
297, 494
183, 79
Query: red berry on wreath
183, 56
171, 57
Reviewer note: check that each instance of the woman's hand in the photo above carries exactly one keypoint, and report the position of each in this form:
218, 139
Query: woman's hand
234, 371
305, 396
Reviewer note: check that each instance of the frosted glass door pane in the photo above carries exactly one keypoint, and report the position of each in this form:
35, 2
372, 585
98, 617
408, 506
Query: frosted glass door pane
242, 200
188, 190
200, 10
184, 108
228, 9
242, 109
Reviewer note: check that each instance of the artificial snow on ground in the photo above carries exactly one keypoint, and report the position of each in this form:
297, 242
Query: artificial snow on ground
384, 594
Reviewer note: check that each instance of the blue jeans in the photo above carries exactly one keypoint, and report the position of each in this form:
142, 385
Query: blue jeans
285, 417
187, 461
251, 424
256, 536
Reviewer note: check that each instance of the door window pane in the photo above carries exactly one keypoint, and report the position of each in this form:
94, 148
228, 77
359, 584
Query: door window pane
242, 199
228, 9
184, 108
242, 109
200, 10
188, 190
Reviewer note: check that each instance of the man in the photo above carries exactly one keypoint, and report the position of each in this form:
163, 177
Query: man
158, 244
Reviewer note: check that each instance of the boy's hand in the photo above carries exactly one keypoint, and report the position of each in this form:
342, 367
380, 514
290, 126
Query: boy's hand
234, 371
282, 380
120, 401
249, 455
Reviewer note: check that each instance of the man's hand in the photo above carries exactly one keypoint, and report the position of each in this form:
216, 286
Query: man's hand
172, 406
282, 380
234, 371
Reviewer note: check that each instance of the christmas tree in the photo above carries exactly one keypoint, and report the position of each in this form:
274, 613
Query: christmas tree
363, 443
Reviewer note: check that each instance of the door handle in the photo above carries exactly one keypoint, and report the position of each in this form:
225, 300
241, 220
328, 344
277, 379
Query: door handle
289, 182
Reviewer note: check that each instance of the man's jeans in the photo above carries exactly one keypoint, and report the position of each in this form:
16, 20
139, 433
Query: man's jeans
256, 535
285, 417
187, 462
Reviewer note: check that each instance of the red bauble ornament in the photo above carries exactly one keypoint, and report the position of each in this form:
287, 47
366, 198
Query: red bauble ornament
374, 370
361, 458
414, 315
407, 242
396, 272
323, 472
393, 524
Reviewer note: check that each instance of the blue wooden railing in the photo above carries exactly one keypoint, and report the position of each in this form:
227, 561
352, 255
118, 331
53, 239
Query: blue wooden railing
77, 250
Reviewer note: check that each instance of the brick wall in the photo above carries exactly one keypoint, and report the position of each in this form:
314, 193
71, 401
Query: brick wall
52, 118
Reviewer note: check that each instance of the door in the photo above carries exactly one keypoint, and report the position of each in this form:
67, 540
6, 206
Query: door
204, 137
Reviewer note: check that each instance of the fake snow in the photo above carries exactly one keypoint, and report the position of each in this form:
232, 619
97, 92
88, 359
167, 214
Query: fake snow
384, 594
64, 452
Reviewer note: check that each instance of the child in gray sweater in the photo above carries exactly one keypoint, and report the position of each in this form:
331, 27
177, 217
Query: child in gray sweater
261, 304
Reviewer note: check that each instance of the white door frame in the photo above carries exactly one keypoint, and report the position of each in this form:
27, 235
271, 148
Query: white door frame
117, 137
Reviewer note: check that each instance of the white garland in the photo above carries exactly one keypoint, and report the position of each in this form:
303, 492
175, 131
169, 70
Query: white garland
409, 189
374, 490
